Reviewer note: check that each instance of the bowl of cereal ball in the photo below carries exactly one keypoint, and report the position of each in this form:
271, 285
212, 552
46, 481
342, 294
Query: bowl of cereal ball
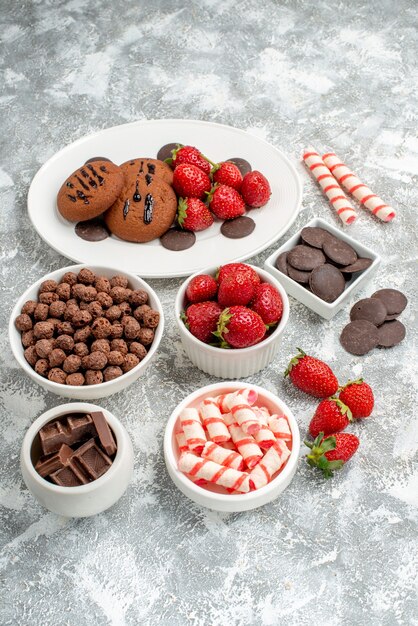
86, 332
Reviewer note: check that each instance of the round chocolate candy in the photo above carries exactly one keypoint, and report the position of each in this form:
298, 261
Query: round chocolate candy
357, 266
359, 337
394, 300
314, 236
165, 152
327, 282
92, 230
238, 227
99, 158
281, 263
305, 258
339, 251
391, 333
370, 309
298, 275
178, 240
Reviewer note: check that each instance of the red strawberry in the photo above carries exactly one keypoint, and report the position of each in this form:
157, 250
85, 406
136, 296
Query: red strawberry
312, 375
191, 156
239, 327
189, 181
358, 396
225, 202
193, 214
255, 189
232, 268
201, 288
330, 416
227, 173
202, 319
235, 289
268, 303
332, 452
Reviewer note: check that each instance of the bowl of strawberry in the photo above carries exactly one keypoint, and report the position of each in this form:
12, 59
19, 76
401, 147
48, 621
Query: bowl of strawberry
231, 319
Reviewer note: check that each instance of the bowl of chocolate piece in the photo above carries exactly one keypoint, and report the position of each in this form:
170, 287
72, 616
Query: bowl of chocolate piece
322, 266
86, 332
77, 459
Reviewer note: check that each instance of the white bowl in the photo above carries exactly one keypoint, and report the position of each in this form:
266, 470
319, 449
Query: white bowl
221, 501
84, 500
309, 299
234, 363
85, 392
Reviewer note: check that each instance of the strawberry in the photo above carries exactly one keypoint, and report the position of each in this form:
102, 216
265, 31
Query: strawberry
235, 289
255, 189
200, 288
189, 181
268, 303
312, 375
227, 173
358, 396
193, 214
231, 268
330, 453
191, 156
331, 416
225, 202
239, 327
202, 319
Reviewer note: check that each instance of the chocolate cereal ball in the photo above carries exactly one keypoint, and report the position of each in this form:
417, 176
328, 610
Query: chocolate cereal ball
101, 345
125, 308
64, 328
31, 355
71, 364
81, 349
146, 336
94, 361
118, 294
113, 313
130, 362
64, 342
102, 284
73, 301
70, 311
93, 377
86, 276
151, 319
115, 358
70, 278
104, 299
82, 334
89, 294
140, 312
64, 291
119, 281
23, 322
78, 290
56, 375
56, 357
101, 328
116, 331
48, 297
41, 312
29, 307
138, 350
57, 309
43, 330
76, 380
81, 318
48, 285
138, 297
83, 305
119, 345
112, 372
132, 328
42, 367
95, 309
44, 347
28, 339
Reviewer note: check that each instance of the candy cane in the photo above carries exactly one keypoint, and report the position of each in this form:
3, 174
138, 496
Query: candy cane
182, 442
244, 415
213, 452
280, 427
213, 472
271, 462
225, 400
212, 420
358, 189
247, 446
193, 429
329, 186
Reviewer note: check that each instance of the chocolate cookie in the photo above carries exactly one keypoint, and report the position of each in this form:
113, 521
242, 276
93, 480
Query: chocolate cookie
148, 167
90, 191
359, 337
390, 334
327, 282
394, 301
145, 208
339, 251
370, 309
305, 258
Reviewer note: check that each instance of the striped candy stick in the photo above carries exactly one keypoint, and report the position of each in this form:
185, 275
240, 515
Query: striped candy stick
359, 190
329, 186
193, 429
213, 472
216, 453
271, 462
213, 421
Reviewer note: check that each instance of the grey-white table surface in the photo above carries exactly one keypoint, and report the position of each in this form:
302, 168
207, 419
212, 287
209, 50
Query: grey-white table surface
338, 552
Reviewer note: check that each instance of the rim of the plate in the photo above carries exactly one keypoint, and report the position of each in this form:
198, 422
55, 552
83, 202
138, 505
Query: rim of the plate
177, 273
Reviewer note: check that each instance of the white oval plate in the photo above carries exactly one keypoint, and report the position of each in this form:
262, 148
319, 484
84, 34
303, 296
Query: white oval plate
144, 139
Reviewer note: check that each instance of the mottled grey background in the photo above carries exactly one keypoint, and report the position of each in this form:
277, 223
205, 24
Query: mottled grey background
341, 552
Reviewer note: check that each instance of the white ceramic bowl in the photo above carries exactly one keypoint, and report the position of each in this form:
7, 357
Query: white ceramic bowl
221, 501
84, 500
309, 299
85, 392
232, 363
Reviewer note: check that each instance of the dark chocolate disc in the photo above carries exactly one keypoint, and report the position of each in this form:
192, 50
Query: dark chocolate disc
243, 165
298, 275
93, 159
178, 240
339, 251
394, 300
92, 230
281, 263
359, 337
391, 333
165, 151
357, 266
314, 236
370, 309
305, 258
238, 227
327, 282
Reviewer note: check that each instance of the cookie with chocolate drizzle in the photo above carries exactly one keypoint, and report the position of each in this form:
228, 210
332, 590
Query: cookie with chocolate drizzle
152, 167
